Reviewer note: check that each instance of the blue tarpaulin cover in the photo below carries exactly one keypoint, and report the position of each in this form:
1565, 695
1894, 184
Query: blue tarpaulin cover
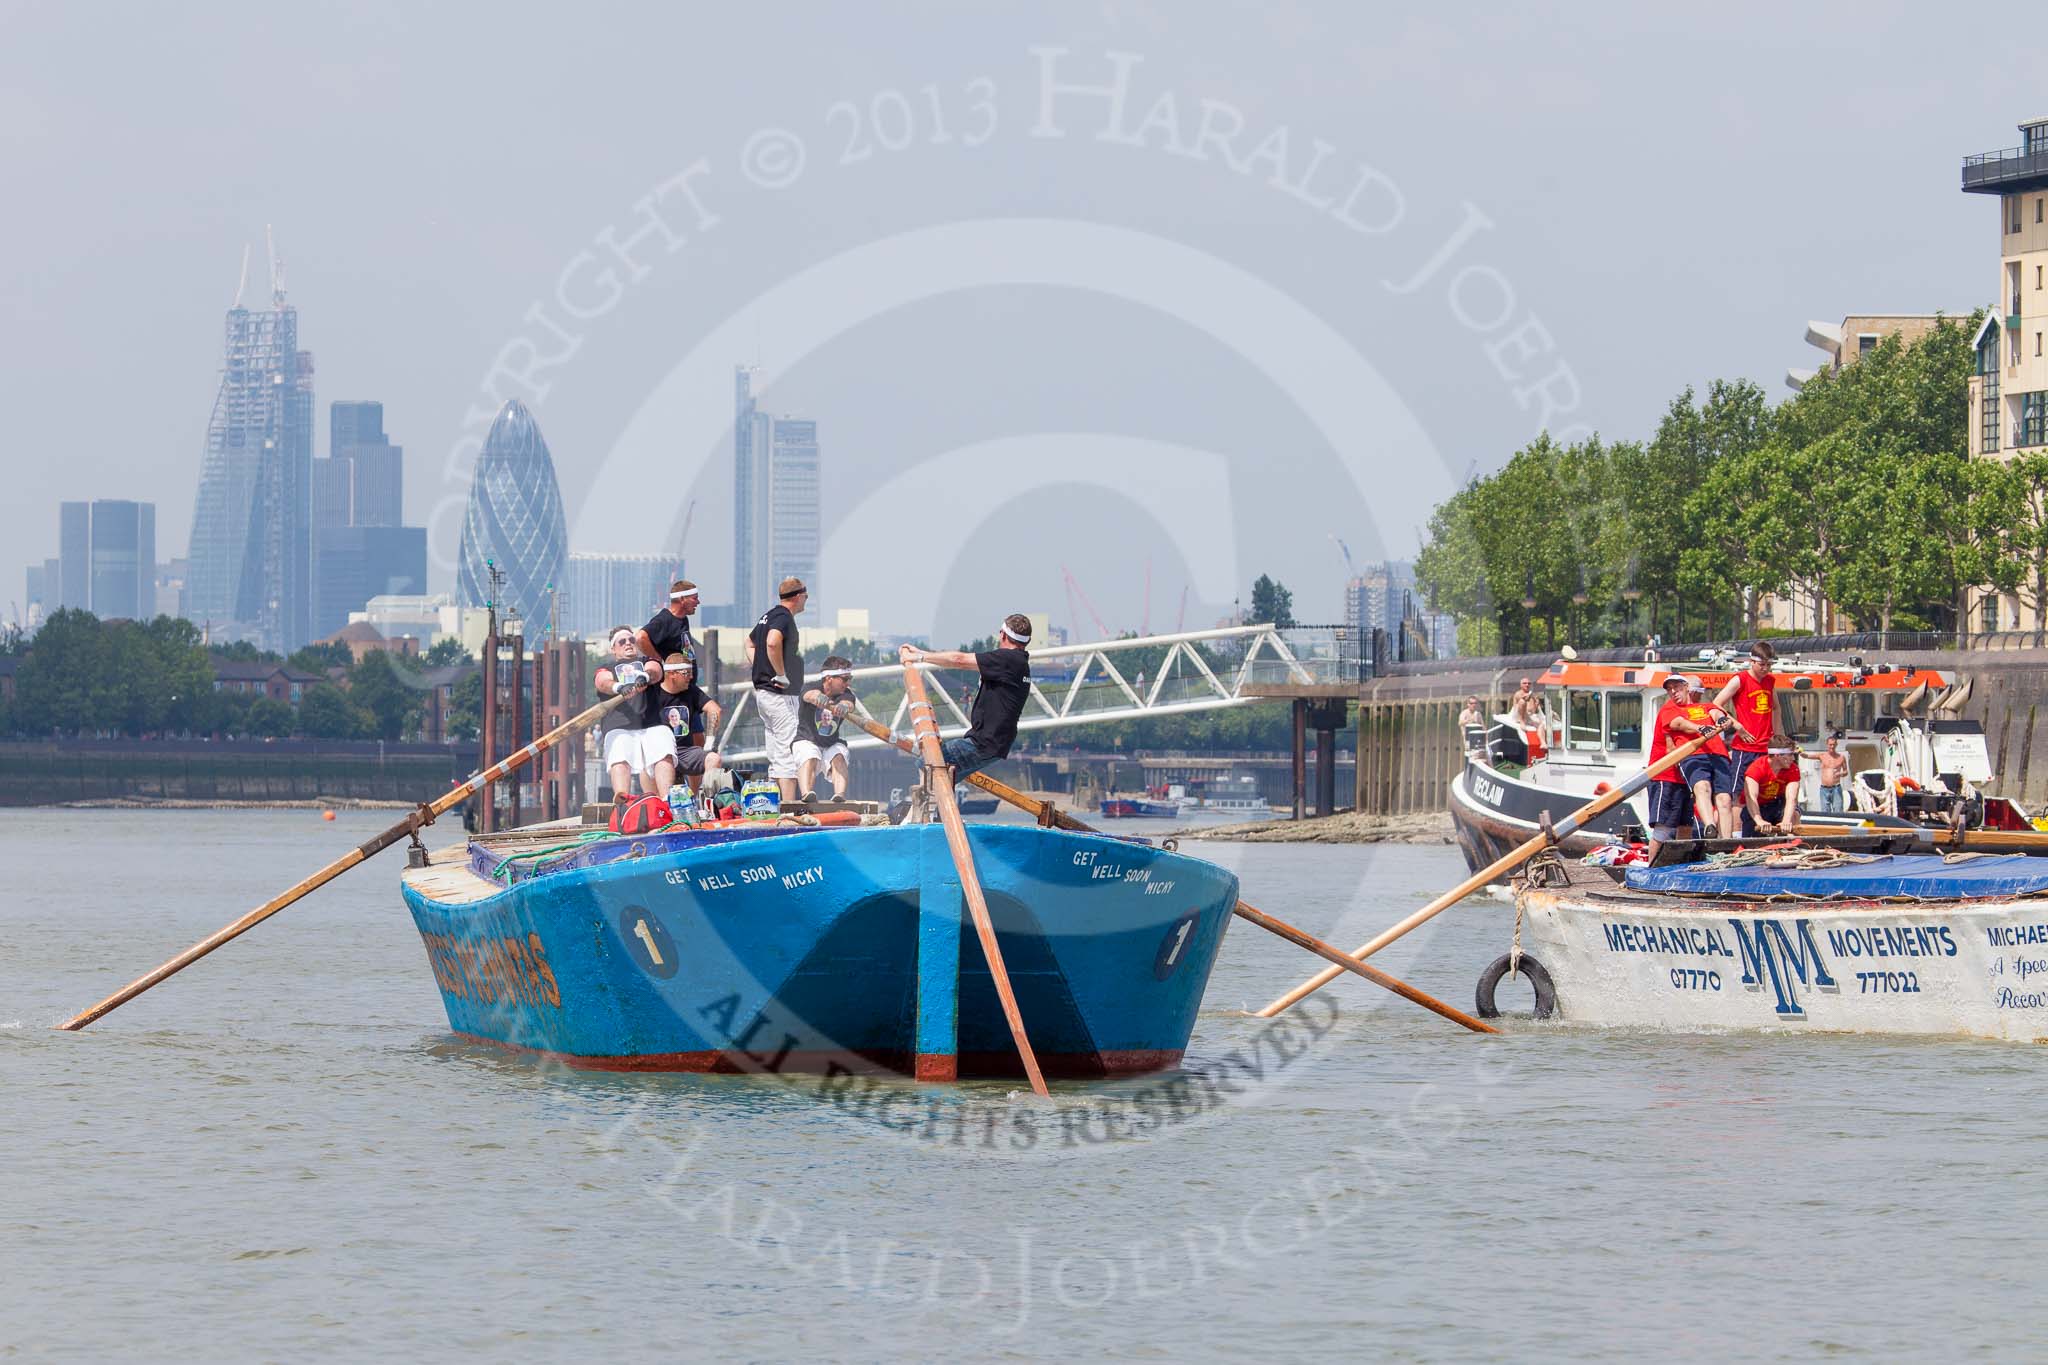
1923, 875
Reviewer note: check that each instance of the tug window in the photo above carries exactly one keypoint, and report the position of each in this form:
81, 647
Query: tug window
1799, 714
1582, 712
1854, 711
1625, 720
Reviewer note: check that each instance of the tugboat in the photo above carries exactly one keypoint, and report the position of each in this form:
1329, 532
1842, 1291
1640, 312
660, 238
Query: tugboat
1928, 772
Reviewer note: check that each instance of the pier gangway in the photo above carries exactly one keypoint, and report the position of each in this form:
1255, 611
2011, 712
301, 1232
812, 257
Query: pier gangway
1088, 684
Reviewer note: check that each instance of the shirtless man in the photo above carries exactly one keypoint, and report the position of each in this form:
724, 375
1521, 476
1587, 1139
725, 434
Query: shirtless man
1834, 768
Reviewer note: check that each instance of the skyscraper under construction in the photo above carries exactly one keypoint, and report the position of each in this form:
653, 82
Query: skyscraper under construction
250, 559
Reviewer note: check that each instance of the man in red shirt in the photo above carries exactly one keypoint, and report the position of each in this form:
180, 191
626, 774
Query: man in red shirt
1709, 772
1770, 785
1670, 802
1749, 696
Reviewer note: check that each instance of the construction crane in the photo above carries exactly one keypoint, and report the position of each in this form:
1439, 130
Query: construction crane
1073, 592
683, 538
1349, 566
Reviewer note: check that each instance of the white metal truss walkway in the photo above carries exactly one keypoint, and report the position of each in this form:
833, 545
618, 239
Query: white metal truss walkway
1154, 675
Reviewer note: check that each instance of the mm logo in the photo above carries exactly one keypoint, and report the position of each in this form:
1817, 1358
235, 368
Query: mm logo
1787, 961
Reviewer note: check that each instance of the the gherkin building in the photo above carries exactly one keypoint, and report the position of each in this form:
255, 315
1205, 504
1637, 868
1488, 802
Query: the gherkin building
515, 521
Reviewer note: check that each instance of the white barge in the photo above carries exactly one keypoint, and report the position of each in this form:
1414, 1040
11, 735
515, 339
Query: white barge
1885, 943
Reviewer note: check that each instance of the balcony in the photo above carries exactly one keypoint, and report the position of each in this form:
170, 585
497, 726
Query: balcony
2012, 170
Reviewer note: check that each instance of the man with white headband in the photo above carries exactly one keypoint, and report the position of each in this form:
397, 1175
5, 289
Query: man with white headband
1770, 790
820, 743
1005, 687
668, 630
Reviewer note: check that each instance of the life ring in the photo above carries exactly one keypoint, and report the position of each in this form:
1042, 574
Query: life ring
1539, 978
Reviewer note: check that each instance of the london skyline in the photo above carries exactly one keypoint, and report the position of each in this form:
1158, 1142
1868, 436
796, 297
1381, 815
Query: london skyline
421, 305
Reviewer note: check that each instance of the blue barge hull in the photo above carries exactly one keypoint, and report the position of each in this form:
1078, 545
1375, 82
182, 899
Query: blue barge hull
821, 950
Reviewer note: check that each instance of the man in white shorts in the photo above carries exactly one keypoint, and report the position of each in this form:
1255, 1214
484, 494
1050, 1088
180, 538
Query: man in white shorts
623, 734
820, 740
778, 660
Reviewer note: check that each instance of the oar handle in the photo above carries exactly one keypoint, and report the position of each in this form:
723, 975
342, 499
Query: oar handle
1048, 813
924, 724
1499, 868
416, 819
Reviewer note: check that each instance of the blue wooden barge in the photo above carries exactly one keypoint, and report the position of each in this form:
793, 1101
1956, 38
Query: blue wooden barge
817, 950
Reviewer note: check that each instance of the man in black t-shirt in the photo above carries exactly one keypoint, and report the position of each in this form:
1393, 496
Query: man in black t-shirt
820, 732
683, 710
668, 631
622, 736
1005, 687
778, 663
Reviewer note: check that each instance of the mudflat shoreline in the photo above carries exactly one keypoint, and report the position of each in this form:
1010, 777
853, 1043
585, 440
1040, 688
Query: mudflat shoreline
1344, 828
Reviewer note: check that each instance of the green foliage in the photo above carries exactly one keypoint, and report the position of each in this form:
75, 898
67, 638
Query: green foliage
242, 652
325, 712
391, 699
1858, 484
69, 683
268, 718
220, 713
320, 658
444, 653
1271, 602
465, 718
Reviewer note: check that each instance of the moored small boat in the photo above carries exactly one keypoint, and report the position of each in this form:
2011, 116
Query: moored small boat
1806, 940
784, 949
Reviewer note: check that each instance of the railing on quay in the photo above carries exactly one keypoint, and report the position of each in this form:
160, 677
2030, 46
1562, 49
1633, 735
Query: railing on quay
1870, 643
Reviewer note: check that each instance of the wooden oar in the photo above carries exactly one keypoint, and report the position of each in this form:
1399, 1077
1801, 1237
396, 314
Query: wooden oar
418, 819
1500, 867
925, 725
1049, 814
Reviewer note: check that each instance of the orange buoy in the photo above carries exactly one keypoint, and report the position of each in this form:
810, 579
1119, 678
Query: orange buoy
1602, 788
326, 815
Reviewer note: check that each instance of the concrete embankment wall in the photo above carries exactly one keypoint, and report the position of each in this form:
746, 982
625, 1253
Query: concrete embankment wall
47, 774
1409, 747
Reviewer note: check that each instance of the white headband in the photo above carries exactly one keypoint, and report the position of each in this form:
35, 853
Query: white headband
836, 673
1013, 635
679, 596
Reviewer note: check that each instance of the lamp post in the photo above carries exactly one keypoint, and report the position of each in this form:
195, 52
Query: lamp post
1631, 594
1528, 610
1579, 599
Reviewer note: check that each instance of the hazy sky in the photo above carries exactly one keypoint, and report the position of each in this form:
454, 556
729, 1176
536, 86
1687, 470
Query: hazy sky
1321, 261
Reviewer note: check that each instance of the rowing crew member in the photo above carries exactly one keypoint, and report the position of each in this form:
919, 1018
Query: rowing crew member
668, 630
1705, 772
1747, 697
686, 714
1770, 801
778, 663
819, 740
998, 705
623, 734
1671, 805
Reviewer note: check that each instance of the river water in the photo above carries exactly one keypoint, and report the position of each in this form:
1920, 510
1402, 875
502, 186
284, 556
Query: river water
282, 1151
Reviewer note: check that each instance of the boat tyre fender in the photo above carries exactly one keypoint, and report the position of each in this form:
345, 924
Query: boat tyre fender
1539, 978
